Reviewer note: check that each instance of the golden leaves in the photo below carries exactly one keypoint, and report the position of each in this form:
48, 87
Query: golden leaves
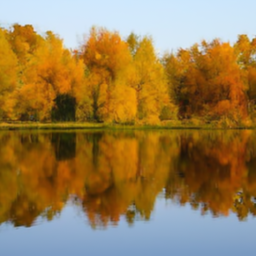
113, 80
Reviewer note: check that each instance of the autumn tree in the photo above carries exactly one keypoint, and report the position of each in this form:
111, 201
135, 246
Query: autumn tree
246, 51
208, 81
8, 77
23, 41
148, 80
176, 68
225, 81
51, 79
107, 57
26, 44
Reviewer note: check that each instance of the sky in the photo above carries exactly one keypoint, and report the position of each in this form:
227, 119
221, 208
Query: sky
173, 24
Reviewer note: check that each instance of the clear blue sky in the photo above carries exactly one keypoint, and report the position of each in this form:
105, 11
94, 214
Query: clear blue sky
171, 23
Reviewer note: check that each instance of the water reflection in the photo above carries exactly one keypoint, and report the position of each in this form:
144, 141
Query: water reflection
113, 174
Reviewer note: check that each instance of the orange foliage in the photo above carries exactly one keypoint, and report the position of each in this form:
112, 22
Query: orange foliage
112, 80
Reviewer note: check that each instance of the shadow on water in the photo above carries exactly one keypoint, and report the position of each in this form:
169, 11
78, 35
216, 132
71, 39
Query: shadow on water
113, 174
64, 145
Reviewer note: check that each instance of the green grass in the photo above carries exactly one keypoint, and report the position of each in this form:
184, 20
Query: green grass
44, 126
87, 125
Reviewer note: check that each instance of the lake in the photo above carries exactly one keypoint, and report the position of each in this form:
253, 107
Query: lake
159, 192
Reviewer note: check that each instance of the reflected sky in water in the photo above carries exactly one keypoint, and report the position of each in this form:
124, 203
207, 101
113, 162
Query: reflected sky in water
172, 230
123, 193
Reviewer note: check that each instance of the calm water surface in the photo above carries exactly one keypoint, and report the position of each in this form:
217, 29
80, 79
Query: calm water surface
127, 193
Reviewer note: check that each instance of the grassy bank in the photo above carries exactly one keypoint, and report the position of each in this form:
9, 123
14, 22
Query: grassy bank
87, 125
52, 126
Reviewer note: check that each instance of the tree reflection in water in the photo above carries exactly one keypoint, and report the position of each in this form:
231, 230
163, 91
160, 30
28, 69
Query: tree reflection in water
114, 174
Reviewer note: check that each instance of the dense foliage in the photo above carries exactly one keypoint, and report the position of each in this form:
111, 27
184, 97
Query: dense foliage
112, 80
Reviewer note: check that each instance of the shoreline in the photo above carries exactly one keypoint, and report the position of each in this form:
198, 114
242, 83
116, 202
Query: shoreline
103, 126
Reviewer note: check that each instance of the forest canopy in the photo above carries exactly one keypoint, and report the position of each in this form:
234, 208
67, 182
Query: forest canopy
111, 79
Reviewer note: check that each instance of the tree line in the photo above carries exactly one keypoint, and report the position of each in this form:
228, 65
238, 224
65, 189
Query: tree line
114, 80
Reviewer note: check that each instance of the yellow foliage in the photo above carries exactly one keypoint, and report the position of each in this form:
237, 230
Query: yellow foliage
112, 80
8, 77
